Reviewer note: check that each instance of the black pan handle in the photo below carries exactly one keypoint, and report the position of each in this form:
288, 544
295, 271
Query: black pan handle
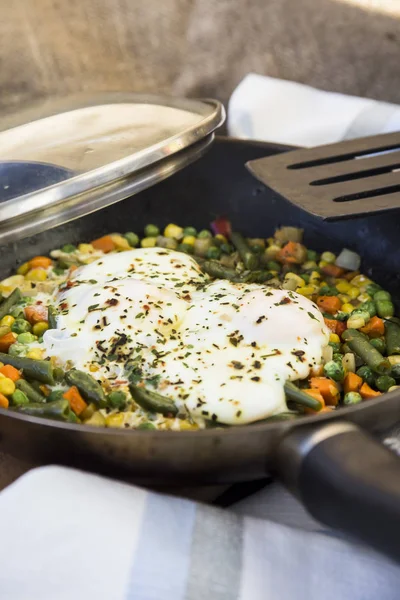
347, 480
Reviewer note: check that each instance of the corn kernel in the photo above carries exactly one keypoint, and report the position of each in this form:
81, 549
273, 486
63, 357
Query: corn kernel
86, 248
353, 292
322, 264
328, 257
315, 278
189, 239
347, 308
35, 353
7, 320
1, 365
7, 386
9, 284
23, 269
344, 298
334, 338
394, 359
115, 420
38, 274
173, 231
148, 242
221, 238
186, 426
307, 290
120, 242
364, 297
39, 328
343, 286
360, 280
93, 368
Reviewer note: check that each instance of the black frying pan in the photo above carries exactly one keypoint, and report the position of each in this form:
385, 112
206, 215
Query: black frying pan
344, 477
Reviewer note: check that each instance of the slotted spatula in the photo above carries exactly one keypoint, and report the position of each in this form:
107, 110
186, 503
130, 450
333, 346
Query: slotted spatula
338, 181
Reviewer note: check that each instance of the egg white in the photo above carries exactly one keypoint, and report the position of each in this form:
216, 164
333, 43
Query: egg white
221, 350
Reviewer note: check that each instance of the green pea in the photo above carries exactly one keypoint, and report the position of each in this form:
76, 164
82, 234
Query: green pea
395, 371
117, 399
306, 277
21, 326
379, 344
151, 231
334, 370
368, 306
384, 382
311, 255
68, 248
328, 290
204, 233
17, 349
384, 308
213, 252
335, 346
272, 265
59, 270
26, 338
372, 288
337, 357
18, 398
132, 239
187, 248
190, 231
366, 374
146, 425
382, 295
352, 398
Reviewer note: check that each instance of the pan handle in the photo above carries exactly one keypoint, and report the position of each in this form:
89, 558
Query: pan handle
347, 480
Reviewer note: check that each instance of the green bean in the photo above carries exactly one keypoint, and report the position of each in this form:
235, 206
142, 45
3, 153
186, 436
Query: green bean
55, 395
152, 401
384, 308
40, 370
255, 276
370, 355
366, 375
249, 259
32, 394
372, 288
300, 397
217, 270
52, 317
384, 382
58, 410
90, 389
392, 336
381, 295
10, 302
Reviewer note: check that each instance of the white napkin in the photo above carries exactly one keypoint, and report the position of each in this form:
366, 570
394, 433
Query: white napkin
285, 112
67, 535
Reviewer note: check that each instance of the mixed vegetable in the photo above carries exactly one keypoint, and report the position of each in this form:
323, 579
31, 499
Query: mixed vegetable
361, 361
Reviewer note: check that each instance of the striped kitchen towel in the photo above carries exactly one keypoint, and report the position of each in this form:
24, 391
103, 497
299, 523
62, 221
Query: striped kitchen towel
68, 535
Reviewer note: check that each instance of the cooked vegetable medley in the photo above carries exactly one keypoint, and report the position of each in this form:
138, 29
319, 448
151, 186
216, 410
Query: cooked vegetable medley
180, 329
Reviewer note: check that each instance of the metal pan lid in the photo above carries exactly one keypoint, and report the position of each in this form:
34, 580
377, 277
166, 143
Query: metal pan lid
67, 158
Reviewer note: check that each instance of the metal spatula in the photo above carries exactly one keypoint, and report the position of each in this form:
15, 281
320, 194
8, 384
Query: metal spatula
337, 181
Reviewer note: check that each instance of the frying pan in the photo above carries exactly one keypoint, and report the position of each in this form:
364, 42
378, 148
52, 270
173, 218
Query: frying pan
333, 462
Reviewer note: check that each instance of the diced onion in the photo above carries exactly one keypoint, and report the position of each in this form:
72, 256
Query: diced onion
349, 362
327, 354
348, 259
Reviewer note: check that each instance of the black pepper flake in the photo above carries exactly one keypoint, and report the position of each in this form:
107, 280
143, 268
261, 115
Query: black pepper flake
256, 378
257, 364
237, 365
214, 417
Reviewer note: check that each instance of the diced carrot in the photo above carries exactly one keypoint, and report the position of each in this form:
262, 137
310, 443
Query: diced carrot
10, 372
367, 392
75, 400
36, 313
40, 262
331, 324
329, 304
6, 341
318, 396
374, 328
340, 327
352, 383
292, 253
104, 243
3, 401
332, 271
327, 388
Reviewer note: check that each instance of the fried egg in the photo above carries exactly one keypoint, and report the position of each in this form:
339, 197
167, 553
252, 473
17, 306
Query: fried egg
221, 350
